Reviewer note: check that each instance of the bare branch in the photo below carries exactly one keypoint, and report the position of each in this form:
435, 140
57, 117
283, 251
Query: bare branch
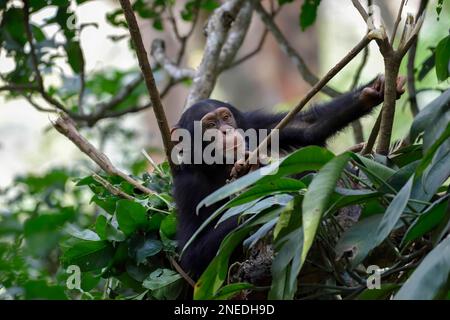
158, 51
285, 46
397, 21
411, 84
66, 126
373, 136
35, 61
364, 14
37, 106
253, 52
108, 186
148, 77
216, 30
182, 272
236, 35
19, 87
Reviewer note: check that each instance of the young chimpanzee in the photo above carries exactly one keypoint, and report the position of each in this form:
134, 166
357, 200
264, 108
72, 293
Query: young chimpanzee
193, 182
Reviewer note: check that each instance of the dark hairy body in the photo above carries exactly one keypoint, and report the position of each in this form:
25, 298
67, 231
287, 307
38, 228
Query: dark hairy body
193, 182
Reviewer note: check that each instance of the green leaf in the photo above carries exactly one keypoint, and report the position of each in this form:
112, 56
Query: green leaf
40, 289
149, 248
232, 289
317, 198
430, 277
282, 185
378, 294
85, 234
169, 225
160, 278
427, 220
215, 274
131, 216
308, 13
356, 242
288, 245
75, 56
88, 255
107, 231
305, 159
164, 284
428, 116
393, 213
443, 59
377, 172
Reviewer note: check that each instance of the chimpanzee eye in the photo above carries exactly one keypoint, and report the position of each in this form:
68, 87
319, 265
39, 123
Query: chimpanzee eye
211, 125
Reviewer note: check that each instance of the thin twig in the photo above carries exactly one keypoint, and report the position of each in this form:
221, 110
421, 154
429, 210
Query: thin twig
108, 186
373, 136
286, 47
182, 272
397, 21
35, 61
216, 30
66, 126
148, 78
313, 91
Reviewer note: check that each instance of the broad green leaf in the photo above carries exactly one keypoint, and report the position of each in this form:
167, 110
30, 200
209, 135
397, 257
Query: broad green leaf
308, 13
215, 274
305, 159
231, 290
169, 225
75, 56
443, 59
164, 284
41, 290
317, 198
88, 255
282, 185
260, 233
429, 154
130, 216
356, 242
107, 231
253, 209
160, 278
288, 251
426, 117
85, 234
377, 172
378, 294
149, 248
393, 213
430, 277
429, 219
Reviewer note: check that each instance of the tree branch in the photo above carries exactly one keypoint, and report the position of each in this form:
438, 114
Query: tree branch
158, 52
35, 61
397, 21
295, 57
313, 91
236, 35
66, 126
216, 30
392, 60
148, 78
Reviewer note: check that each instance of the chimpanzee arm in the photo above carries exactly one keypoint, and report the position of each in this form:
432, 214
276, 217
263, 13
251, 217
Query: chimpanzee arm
338, 113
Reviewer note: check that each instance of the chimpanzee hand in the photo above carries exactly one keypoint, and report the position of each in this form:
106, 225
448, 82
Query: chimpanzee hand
373, 95
241, 167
